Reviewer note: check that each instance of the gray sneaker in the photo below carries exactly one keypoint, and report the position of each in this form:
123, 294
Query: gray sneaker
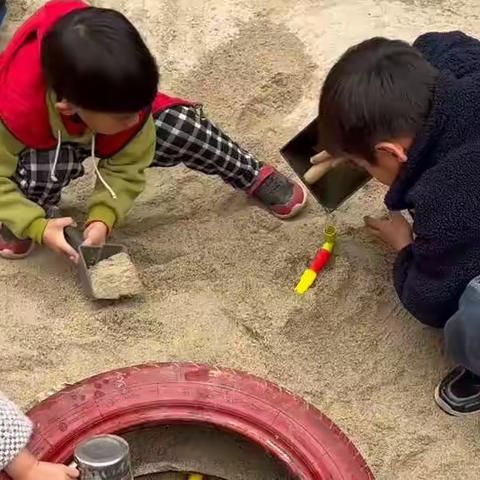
285, 198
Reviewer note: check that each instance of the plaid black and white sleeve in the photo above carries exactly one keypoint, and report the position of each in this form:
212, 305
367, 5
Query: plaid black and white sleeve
15, 431
185, 135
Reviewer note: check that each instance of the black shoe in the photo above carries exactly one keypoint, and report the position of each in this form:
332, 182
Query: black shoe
3, 10
458, 394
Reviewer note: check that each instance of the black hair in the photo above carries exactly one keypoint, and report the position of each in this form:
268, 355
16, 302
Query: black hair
96, 59
379, 90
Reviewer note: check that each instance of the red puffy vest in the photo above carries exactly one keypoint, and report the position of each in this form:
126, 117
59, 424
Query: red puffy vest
23, 107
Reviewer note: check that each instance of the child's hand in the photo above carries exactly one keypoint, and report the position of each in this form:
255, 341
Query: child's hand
49, 471
26, 467
395, 231
325, 157
54, 238
95, 234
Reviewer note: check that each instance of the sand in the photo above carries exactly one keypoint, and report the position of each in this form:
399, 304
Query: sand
115, 277
219, 272
203, 449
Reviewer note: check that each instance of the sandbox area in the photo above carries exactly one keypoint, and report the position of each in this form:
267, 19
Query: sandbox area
219, 272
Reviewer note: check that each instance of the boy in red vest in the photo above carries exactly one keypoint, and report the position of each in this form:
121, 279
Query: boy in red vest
79, 82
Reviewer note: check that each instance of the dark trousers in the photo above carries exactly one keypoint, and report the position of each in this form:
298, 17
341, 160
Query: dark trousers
462, 331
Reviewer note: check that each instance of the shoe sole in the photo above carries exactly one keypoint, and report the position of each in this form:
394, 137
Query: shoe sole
16, 256
448, 409
297, 208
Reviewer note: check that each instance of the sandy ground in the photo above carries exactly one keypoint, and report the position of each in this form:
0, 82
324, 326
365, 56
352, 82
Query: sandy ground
220, 272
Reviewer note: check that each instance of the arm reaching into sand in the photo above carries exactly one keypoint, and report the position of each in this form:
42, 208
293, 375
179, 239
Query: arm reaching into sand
26, 467
431, 273
424, 284
125, 175
23, 217
15, 459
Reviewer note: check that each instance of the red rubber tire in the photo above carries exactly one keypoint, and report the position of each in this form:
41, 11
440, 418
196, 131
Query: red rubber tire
310, 445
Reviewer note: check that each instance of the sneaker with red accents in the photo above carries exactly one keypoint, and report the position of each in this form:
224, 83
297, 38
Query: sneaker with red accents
282, 196
13, 248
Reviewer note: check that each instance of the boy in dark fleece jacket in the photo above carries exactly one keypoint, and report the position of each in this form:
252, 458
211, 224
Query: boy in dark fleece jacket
410, 116
78, 82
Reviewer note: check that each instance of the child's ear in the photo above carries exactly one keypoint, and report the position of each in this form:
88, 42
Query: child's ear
395, 149
65, 108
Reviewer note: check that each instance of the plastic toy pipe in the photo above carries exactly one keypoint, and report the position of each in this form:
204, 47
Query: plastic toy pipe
321, 259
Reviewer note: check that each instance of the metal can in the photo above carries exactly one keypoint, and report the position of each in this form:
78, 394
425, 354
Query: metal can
104, 457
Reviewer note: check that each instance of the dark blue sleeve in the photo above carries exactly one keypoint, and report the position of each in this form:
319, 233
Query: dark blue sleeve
431, 273
429, 294
453, 51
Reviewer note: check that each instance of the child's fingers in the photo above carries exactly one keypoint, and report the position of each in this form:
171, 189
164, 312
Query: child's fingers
72, 472
320, 158
372, 224
87, 242
317, 171
74, 259
374, 232
65, 222
68, 250
396, 217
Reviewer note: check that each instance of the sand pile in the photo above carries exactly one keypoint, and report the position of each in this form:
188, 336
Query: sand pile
115, 277
220, 273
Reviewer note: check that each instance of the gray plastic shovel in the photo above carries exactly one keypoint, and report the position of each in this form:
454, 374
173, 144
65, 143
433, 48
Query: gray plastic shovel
90, 256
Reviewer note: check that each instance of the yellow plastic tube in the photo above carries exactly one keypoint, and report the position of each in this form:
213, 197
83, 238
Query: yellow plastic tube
306, 281
321, 259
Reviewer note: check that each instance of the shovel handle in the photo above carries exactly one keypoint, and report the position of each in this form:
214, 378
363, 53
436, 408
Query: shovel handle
74, 237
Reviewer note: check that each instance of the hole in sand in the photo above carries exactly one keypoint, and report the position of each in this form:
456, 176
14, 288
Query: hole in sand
168, 452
